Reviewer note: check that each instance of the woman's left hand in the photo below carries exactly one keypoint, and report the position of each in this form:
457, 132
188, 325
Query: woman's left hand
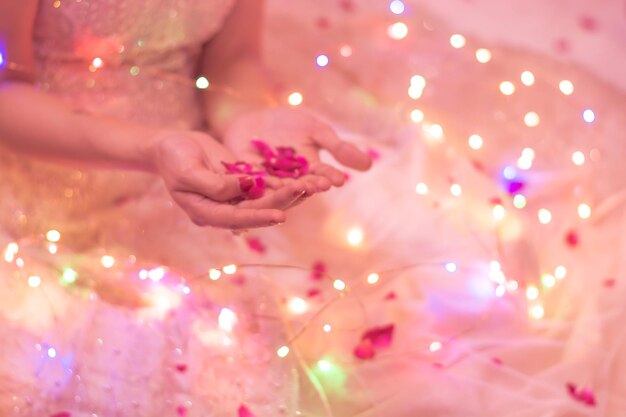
302, 131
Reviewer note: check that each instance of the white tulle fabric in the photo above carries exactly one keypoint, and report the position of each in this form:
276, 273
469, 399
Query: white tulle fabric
117, 354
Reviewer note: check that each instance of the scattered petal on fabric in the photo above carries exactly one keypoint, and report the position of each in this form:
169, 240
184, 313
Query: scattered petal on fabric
181, 411
391, 296
181, 367
571, 238
263, 148
514, 186
364, 350
318, 270
244, 412
584, 395
313, 292
373, 154
255, 244
282, 162
380, 336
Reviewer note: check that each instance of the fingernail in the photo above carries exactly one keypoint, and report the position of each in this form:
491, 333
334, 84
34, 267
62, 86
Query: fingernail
274, 223
246, 183
299, 193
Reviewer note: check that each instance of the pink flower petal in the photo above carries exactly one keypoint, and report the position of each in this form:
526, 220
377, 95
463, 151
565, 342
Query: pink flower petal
181, 411
244, 412
391, 296
364, 350
62, 414
319, 269
609, 282
584, 395
313, 292
263, 148
380, 336
181, 367
255, 244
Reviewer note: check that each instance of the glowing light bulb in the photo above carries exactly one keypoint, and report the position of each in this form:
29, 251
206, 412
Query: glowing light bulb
578, 158
1, 59
475, 142
226, 320
97, 63
584, 211
544, 216
418, 81
589, 116
396, 7
421, 188
507, 88
327, 328
435, 346
560, 272
107, 261
230, 269
282, 351
156, 274
52, 353
324, 365
214, 274
202, 83
498, 212
532, 293
566, 87
483, 55
339, 285
397, 31
297, 305
450, 267
56, 4
415, 92
345, 51
417, 116
373, 278
10, 252
52, 248
322, 60
537, 312
162, 299
34, 281
455, 190
295, 99
53, 235
509, 173
500, 291
548, 280
457, 41
435, 131
527, 78
69, 276
519, 201
531, 119
355, 236
143, 274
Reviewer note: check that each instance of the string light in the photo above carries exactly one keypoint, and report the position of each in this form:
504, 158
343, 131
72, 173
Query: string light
527, 78
324, 365
230, 269
322, 60
548, 280
202, 83
282, 351
397, 31
560, 272
345, 51
214, 274
507, 88
519, 201
578, 158
589, 116
1, 59
53, 235
226, 320
450, 267
107, 261
475, 142
544, 216
532, 293
373, 278
396, 7
97, 63
327, 328
295, 99
355, 236
531, 119
525, 161
455, 190
52, 353
457, 41
34, 281
417, 116
435, 346
483, 55
69, 276
584, 211
434, 131
10, 252
421, 188
339, 285
418, 81
500, 291
537, 311
52, 248
156, 274
566, 87
498, 212
297, 305
56, 4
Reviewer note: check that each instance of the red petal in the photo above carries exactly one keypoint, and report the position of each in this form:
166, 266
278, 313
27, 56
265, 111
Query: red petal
255, 244
62, 414
380, 336
364, 350
313, 292
181, 367
496, 361
584, 395
391, 296
244, 411
610, 282
571, 238
264, 149
181, 411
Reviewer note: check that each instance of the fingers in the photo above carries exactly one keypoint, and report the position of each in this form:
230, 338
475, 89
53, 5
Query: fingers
345, 153
280, 199
335, 176
217, 187
204, 212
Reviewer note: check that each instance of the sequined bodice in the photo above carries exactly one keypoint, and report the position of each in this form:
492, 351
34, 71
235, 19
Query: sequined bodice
130, 59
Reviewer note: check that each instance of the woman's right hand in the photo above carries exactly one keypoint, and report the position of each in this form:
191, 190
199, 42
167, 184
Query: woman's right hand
190, 164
